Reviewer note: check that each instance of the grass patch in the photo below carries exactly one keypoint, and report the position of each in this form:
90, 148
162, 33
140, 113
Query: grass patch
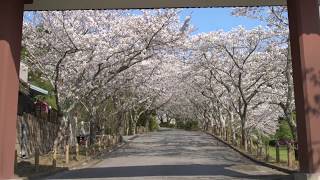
283, 153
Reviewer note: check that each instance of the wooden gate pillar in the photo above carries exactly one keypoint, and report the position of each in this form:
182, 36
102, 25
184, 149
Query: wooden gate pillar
305, 48
11, 15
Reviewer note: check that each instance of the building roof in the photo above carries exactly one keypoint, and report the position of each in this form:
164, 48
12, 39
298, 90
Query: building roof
144, 4
29, 89
38, 89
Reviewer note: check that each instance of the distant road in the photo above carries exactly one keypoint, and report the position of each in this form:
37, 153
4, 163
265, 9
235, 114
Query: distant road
174, 154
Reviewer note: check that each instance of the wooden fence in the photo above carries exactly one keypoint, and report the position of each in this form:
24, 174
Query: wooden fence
282, 155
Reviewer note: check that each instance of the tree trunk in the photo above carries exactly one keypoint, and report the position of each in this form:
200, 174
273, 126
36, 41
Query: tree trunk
293, 128
243, 144
227, 134
234, 139
56, 96
290, 96
131, 128
243, 118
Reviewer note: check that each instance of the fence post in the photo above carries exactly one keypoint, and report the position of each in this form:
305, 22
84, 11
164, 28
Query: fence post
267, 152
239, 141
36, 159
233, 138
99, 143
86, 146
93, 147
67, 153
77, 151
104, 141
120, 139
54, 157
227, 134
109, 141
277, 152
217, 131
289, 149
260, 150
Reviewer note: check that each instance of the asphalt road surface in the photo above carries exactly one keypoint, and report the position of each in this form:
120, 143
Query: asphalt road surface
174, 155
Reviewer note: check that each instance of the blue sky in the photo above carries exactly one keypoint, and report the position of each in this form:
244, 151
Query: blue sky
211, 19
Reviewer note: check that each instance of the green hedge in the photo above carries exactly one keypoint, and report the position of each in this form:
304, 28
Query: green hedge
153, 125
188, 125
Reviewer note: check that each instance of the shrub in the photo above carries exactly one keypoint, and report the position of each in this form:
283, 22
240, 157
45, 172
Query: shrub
283, 132
167, 125
188, 125
180, 124
272, 142
153, 125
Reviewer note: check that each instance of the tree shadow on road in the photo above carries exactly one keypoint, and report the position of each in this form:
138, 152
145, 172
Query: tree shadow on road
195, 145
27, 169
163, 170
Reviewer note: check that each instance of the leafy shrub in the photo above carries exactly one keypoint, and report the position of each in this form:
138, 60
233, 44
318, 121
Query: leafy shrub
153, 125
188, 125
284, 131
167, 125
191, 125
272, 142
180, 124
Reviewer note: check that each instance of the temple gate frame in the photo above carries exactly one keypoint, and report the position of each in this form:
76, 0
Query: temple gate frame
305, 48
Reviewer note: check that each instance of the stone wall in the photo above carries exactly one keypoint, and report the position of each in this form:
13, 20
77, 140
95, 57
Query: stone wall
35, 132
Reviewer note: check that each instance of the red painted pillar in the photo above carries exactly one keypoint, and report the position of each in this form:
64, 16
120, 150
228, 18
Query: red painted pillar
11, 14
305, 46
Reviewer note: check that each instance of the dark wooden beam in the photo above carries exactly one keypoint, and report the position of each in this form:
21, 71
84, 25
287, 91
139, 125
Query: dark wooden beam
144, 4
28, 1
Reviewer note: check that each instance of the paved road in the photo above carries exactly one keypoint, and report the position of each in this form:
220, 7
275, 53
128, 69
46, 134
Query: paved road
174, 154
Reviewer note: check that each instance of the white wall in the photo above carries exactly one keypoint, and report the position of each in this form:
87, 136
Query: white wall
23, 72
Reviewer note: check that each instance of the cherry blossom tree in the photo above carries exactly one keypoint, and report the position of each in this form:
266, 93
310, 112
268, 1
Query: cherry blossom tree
119, 66
236, 71
277, 19
91, 57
